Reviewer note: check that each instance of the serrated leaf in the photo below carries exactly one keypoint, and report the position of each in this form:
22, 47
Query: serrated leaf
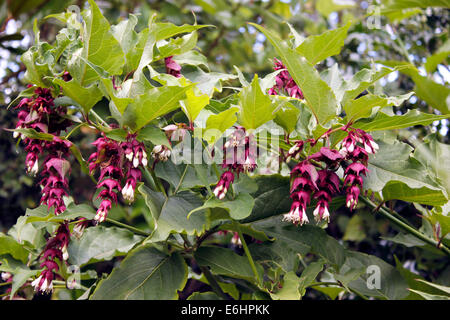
394, 164
85, 97
255, 107
154, 103
327, 44
217, 124
318, 95
145, 274
383, 121
100, 48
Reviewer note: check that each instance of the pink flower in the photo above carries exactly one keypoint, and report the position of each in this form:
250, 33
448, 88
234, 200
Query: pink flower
172, 67
226, 179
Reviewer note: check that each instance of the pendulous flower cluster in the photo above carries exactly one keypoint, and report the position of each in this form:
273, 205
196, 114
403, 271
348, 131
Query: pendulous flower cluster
284, 82
240, 154
55, 251
116, 161
315, 177
39, 113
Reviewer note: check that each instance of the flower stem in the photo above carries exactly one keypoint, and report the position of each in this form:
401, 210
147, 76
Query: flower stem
247, 253
387, 214
213, 283
126, 226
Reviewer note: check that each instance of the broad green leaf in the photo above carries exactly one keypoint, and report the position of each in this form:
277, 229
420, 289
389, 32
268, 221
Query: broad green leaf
193, 58
280, 253
290, 289
166, 30
440, 55
383, 121
145, 274
392, 284
320, 47
363, 79
72, 212
309, 275
437, 286
21, 276
154, 135
172, 173
124, 33
406, 239
300, 238
255, 107
428, 296
99, 48
35, 70
217, 124
362, 107
154, 103
433, 93
208, 82
271, 198
85, 97
120, 102
178, 45
8, 245
318, 95
26, 234
225, 262
194, 103
173, 217
286, 114
394, 164
436, 157
238, 208
99, 244
399, 190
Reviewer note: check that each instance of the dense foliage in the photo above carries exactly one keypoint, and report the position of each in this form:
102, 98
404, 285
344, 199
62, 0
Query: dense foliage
244, 151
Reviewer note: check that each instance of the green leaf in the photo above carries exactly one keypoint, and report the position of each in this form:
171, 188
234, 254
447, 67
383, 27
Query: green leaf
440, 55
362, 107
318, 95
208, 82
194, 103
166, 30
394, 164
99, 48
178, 46
433, 93
290, 289
363, 79
145, 274
405, 239
406, 4
99, 244
21, 276
173, 217
35, 70
428, 296
437, 286
172, 173
154, 103
255, 107
224, 262
86, 98
238, 208
400, 190
286, 114
392, 284
320, 47
154, 135
271, 198
435, 156
116, 97
8, 245
309, 275
72, 212
383, 121
217, 124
